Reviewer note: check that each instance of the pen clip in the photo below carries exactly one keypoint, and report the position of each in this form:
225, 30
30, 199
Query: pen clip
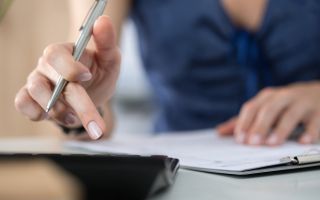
89, 14
86, 28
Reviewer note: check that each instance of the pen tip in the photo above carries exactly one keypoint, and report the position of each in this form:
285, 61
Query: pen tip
47, 110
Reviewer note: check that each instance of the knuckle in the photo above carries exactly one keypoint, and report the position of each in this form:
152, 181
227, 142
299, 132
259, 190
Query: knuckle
263, 117
26, 108
248, 106
41, 64
263, 120
49, 52
24, 105
284, 93
40, 61
31, 77
42, 67
20, 101
266, 110
34, 88
268, 91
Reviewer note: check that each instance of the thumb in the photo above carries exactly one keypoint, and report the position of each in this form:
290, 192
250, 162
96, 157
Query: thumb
227, 128
105, 40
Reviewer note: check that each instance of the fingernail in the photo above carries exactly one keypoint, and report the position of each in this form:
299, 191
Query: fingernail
240, 137
306, 139
94, 130
85, 76
273, 139
255, 139
69, 119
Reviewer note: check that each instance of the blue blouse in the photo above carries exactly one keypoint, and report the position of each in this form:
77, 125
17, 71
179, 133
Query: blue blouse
203, 68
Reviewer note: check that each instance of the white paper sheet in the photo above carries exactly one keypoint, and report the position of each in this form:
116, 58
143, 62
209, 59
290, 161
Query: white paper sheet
203, 150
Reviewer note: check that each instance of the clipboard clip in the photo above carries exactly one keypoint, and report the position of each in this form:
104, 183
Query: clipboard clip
301, 159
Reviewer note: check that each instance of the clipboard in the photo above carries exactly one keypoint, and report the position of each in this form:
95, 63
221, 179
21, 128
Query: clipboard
113, 176
289, 163
206, 152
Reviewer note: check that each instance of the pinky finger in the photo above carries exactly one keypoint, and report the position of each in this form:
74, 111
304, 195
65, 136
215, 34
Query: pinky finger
28, 107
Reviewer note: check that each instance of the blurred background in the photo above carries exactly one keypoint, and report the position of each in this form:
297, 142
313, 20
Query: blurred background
26, 29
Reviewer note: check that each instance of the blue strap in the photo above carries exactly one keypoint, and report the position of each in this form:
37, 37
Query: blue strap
257, 74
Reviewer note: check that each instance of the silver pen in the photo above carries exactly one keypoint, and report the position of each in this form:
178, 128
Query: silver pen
96, 11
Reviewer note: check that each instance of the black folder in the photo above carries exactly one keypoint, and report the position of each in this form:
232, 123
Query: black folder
115, 177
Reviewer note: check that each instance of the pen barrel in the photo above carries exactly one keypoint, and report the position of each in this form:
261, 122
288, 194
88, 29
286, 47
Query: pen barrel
80, 45
87, 28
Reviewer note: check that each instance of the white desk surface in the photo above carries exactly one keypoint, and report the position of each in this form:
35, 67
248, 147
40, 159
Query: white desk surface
191, 185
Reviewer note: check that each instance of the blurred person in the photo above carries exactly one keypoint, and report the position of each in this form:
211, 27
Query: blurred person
251, 67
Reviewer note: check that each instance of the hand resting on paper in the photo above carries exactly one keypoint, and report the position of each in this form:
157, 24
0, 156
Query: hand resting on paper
272, 115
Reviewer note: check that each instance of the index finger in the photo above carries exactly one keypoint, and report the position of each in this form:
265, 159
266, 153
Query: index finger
60, 58
79, 100
248, 113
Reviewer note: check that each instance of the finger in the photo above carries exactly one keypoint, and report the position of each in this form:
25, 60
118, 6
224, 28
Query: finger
28, 107
105, 41
227, 128
312, 133
266, 118
59, 57
288, 122
81, 103
40, 90
47, 71
248, 113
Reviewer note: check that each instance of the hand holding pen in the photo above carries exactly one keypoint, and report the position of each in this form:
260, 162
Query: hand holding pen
91, 82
